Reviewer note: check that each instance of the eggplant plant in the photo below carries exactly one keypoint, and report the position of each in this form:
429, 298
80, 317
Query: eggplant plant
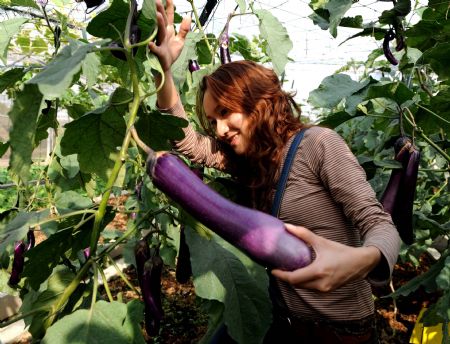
96, 157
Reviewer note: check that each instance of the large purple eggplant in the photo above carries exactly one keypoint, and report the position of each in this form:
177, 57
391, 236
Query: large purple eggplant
261, 236
19, 257
224, 46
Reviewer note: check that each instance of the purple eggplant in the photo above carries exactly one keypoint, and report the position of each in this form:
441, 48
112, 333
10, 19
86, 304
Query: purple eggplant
141, 255
262, 236
389, 36
31, 241
183, 269
193, 66
18, 262
398, 197
224, 42
151, 293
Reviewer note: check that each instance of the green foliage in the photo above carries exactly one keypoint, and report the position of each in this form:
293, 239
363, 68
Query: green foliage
96, 156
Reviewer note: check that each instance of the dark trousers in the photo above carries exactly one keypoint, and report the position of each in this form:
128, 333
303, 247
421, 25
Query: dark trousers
289, 330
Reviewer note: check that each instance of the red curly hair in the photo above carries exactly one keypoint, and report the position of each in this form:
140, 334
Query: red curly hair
249, 88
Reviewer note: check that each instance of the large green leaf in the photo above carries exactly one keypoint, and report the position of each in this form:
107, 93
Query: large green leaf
277, 37
437, 57
222, 273
56, 285
95, 138
17, 229
107, 322
329, 13
180, 67
23, 115
56, 78
111, 22
396, 91
333, 89
10, 77
440, 106
156, 129
8, 28
91, 68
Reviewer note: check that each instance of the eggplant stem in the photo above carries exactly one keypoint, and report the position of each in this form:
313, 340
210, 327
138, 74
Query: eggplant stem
425, 137
139, 142
121, 274
105, 283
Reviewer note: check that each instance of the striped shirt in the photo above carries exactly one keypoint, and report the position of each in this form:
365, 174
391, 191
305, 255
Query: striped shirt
326, 192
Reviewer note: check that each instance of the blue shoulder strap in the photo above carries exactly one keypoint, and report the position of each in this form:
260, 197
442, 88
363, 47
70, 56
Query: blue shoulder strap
285, 172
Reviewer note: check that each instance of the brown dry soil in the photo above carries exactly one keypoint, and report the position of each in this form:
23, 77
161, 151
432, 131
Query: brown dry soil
185, 323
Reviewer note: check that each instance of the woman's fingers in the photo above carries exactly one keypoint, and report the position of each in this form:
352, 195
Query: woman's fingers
160, 9
170, 9
185, 27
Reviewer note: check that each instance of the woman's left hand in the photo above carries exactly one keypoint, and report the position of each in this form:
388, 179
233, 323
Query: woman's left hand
335, 264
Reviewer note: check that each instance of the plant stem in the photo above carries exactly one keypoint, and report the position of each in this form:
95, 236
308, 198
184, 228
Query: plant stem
134, 106
105, 283
425, 137
22, 316
67, 292
433, 113
121, 274
199, 25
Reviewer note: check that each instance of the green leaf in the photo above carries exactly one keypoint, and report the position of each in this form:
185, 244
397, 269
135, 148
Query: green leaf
234, 280
400, 9
437, 57
180, 67
149, 10
337, 118
329, 13
17, 229
70, 164
333, 89
72, 200
106, 322
91, 68
10, 77
396, 91
102, 132
19, 3
157, 129
443, 279
23, 115
427, 279
279, 43
54, 80
45, 297
111, 22
8, 28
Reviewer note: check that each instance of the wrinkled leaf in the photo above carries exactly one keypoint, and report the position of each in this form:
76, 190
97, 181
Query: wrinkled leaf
17, 229
107, 322
102, 132
54, 80
8, 28
10, 77
277, 37
233, 280
24, 114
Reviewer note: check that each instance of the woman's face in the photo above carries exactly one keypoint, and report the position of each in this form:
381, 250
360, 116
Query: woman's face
230, 127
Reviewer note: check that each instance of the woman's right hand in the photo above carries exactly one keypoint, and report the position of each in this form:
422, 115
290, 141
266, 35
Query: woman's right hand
169, 44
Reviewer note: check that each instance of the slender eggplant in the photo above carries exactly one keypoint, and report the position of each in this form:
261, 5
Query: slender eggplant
224, 42
403, 211
389, 36
151, 293
183, 269
31, 241
262, 236
398, 197
18, 262
141, 255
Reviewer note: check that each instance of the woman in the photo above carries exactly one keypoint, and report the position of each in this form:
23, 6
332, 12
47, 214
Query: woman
327, 201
